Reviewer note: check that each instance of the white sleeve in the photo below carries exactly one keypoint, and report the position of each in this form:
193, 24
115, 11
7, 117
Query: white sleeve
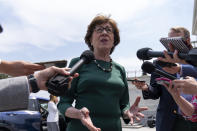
52, 106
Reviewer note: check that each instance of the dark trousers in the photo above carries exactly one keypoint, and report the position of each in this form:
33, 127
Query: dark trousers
184, 125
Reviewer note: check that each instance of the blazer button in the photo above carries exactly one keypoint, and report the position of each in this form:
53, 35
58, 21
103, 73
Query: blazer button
174, 111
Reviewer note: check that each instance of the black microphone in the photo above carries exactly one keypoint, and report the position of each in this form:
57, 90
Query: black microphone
1, 29
148, 53
150, 68
58, 85
85, 58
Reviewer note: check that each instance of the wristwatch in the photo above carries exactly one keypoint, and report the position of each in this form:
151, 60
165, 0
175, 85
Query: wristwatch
33, 83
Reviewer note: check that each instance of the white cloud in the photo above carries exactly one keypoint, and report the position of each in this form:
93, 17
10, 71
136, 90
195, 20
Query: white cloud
130, 63
49, 23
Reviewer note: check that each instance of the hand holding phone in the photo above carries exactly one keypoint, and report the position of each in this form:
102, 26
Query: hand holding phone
136, 80
163, 81
139, 84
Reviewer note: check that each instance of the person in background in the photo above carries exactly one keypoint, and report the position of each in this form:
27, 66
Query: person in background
168, 114
53, 116
101, 91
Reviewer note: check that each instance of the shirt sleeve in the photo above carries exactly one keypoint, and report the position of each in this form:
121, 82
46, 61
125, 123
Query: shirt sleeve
14, 93
194, 115
154, 89
188, 70
52, 106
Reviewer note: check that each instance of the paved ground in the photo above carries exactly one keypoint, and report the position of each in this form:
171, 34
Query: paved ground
139, 129
151, 104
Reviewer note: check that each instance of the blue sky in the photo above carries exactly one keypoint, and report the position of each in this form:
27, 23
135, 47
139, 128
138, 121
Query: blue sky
46, 30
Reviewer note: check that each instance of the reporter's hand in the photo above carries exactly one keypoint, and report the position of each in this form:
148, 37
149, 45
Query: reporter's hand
172, 90
187, 86
135, 112
174, 59
43, 76
86, 120
19, 68
140, 85
173, 69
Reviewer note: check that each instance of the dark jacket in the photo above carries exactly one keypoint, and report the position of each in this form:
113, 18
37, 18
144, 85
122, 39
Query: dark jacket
165, 116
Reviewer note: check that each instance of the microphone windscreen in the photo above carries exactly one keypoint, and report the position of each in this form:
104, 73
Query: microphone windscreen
142, 53
88, 56
148, 67
192, 57
1, 29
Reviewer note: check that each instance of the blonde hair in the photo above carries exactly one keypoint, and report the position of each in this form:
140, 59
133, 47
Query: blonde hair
53, 98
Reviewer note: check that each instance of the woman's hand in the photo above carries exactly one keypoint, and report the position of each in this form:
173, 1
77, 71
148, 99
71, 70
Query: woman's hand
86, 120
173, 91
187, 85
135, 112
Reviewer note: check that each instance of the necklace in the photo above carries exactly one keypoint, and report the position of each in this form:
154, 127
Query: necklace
103, 69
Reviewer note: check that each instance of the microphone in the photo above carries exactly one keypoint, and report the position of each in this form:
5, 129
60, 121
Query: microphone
150, 68
85, 58
147, 54
58, 85
1, 29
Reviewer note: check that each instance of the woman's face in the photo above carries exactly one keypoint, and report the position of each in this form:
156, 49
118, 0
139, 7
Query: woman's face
103, 37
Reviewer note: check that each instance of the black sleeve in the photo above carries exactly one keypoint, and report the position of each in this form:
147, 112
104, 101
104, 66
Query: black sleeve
154, 89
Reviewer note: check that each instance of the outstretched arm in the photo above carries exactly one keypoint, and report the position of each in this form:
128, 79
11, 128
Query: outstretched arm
135, 112
19, 68
83, 115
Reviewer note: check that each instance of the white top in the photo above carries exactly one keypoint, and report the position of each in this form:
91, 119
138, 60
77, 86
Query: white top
53, 112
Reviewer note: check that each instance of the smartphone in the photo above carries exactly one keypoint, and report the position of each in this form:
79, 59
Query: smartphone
165, 64
163, 80
134, 80
177, 42
58, 63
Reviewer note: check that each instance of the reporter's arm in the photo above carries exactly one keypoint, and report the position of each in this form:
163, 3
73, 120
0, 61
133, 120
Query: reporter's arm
154, 90
19, 68
186, 107
14, 93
